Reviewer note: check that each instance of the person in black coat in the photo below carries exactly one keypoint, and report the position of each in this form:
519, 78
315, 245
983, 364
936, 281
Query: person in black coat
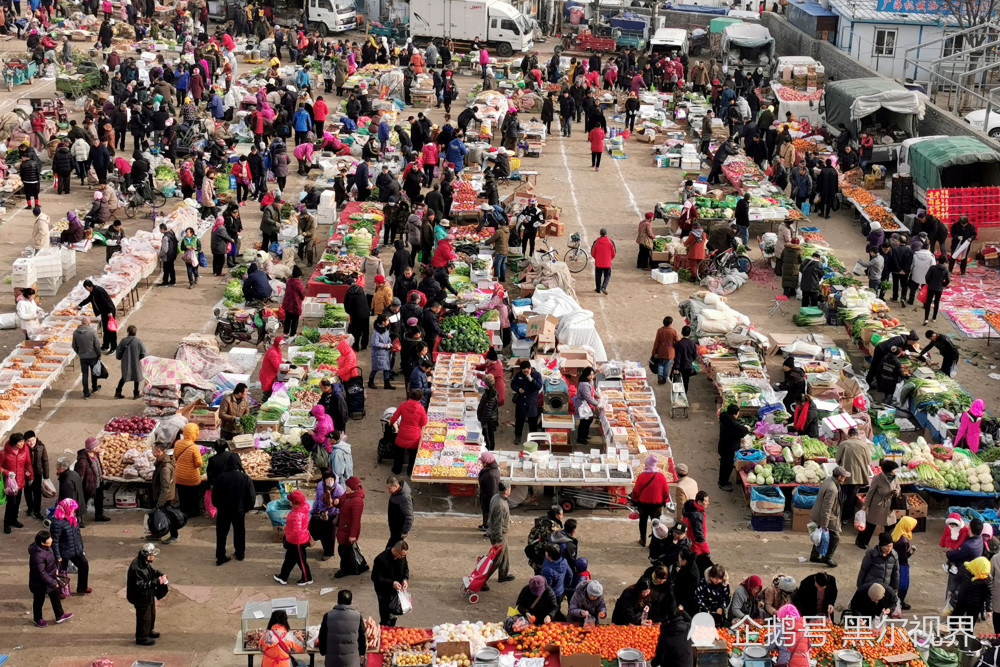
390, 573
525, 386
961, 231
673, 648
807, 598
944, 345
812, 271
217, 462
489, 483
142, 586
899, 261
103, 306
872, 600
827, 185
537, 602
664, 550
632, 605
62, 165
233, 497
548, 112
685, 577
882, 349
731, 432
890, 374
356, 305
70, 486
794, 384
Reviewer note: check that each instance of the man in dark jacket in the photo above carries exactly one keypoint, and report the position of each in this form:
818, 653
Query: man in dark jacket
673, 648
143, 585
400, 510
405, 283
900, 260
724, 150
880, 565
103, 306
100, 160
812, 275
938, 277
62, 165
937, 232
731, 432
872, 600
467, 116
567, 542
814, 589
233, 497
356, 305
525, 387
390, 575
71, 486
342, 634
685, 354
947, 348
901, 341
827, 185
411, 308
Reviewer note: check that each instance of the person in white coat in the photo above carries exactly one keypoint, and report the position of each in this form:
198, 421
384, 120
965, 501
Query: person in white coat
40, 231
923, 259
29, 314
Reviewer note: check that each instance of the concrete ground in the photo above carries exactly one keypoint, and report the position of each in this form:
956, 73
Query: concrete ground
200, 618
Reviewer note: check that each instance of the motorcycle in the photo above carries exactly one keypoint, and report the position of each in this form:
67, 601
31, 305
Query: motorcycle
232, 327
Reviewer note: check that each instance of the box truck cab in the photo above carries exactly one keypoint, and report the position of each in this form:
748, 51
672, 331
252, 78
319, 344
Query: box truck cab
331, 16
669, 40
949, 162
504, 29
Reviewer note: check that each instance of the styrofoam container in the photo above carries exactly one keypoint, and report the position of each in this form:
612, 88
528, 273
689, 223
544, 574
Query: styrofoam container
664, 277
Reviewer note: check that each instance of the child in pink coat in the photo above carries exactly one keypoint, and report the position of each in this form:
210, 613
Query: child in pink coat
970, 426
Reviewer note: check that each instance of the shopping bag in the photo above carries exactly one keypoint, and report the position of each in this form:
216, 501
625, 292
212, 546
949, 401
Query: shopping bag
177, 518
99, 370
859, 268
202, 260
922, 294
48, 488
821, 538
584, 411
10, 484
157, 523
112, 323
209, 506
860, 520
805, 208
360, 563
64, 583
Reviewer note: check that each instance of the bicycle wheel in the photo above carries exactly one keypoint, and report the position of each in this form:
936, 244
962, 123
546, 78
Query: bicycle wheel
130, 211
159, 199
577, 260
706, 268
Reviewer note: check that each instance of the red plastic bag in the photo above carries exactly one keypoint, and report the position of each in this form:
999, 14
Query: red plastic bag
922, 294
209, 506
112, 323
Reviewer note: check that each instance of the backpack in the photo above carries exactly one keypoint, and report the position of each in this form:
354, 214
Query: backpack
538, 539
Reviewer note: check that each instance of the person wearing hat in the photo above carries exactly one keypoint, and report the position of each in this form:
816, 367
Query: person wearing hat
665, 544
88, 466
649, 494
778, 594
902, 341
883, 493
144, 586
497, 527
880, 565
684, 489
872, 601
826, 513
382, 299
296, 541
587, 602
537, 602
489, 484
890, 374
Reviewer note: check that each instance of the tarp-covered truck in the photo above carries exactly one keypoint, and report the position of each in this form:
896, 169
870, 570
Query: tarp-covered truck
950, 162
503, 27
884, 109
747, 44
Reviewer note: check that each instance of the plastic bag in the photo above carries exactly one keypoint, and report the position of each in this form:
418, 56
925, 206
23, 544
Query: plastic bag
157, 523
821, 538
48, 488
401, 604
175, 516
10, 485
922, 294
209, 506
860, 520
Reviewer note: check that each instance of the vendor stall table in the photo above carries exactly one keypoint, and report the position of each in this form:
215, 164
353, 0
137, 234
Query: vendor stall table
860, 214
316, 287
311, 651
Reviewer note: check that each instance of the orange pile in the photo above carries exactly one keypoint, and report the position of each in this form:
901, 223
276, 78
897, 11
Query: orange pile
568, 639
411, 636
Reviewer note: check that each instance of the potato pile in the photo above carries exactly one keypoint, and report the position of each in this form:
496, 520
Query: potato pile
113, 449
256, 463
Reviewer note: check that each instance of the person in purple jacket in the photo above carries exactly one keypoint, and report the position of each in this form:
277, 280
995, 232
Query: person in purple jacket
325, 509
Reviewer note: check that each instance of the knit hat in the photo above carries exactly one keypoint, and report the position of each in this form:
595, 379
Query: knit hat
487, 457
379, 280
594, 589
536, 585
411, 322
660, 531
786, 584
582, 564
353, 483
681, 469
396, 302
649, 216
884, 539
876, 592
296, 498
91, 444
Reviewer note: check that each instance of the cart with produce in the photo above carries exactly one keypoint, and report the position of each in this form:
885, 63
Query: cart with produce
73, 85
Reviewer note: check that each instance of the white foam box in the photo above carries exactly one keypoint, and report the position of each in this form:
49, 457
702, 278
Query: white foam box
312, 308
49, 286
664, 277
125, 500
700, 188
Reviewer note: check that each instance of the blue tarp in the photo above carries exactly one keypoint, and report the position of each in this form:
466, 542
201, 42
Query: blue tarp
698, 9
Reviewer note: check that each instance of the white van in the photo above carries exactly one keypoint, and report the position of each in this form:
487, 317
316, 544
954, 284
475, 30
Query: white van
665, 40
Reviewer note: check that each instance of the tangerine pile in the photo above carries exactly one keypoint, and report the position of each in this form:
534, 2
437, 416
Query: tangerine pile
411, 636
570, 639
872, 651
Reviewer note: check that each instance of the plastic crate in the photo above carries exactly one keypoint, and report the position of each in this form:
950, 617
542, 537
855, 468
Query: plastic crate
462, 490
768, 524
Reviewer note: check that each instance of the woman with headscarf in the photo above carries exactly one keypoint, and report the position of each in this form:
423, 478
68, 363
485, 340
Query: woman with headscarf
901, 536
537, 602
187, 471
970, 426
973, 597
650, 493
352, 505
296, 540
747, 601
778, 594
493, 366
67, 544
75, 232
269, 367
791, 639
325, 510
186, 177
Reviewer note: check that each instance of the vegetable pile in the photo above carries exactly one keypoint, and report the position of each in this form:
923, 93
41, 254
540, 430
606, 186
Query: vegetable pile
234, 293
287, 460
333, 315
133, 425
469, 335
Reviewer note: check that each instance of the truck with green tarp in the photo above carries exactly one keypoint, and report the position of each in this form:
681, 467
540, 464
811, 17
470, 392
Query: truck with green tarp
950, 162
883, 109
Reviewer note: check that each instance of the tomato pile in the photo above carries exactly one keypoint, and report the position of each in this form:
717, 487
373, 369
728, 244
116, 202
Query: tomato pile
464, 197
568, 639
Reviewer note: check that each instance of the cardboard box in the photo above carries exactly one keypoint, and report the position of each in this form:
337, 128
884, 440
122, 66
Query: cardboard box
573, 367
454, 649
526, 289
659, 256
800, 518
645, 138
568, 353
555, 228
915, 506
547, 341
540, 325
580, 660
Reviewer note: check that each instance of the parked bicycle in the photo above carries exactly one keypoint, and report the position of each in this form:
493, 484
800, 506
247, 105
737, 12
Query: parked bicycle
721, 262
576, 258
141, 196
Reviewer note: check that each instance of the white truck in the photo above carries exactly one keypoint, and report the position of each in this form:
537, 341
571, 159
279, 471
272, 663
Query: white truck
331, 16
494, 22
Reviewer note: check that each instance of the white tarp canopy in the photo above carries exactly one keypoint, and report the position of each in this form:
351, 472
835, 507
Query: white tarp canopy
747, 35
900, 101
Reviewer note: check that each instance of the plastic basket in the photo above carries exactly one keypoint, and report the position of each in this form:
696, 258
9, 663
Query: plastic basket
804, 497
767, 500
277, 511
762, 524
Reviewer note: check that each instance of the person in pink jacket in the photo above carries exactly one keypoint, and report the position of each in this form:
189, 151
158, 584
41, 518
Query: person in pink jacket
596, 147
430, 154
304, 153
484, 60
323, 428
970, 425
296, 540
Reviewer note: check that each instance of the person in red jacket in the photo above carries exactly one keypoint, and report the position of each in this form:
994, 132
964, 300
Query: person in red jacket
696, 520
15, 459
257, 125
603, 252
269, 367
430, 155
320, 111
291, 303
352, 504
649, 494
296, 540
596, 147
412, 418
444, 252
